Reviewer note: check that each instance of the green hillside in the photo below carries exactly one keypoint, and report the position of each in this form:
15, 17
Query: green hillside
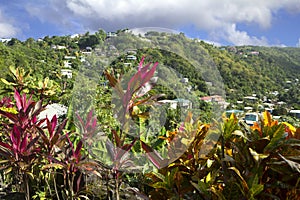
245, 70
124, 116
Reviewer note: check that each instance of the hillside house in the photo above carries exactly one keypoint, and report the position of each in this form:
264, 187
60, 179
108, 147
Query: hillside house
250, 100
82, 59
172, 103
127, 64
58, 47
183, 103
70, 57
75, 36
184, 80
131, 57
111, 34
66, 72
254, 53
88, 49
215, 99
86, 52
67, 64
295, 113
131, 51
56, 109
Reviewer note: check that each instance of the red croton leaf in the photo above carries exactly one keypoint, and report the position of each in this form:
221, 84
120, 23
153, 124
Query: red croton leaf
51, 125
18, 100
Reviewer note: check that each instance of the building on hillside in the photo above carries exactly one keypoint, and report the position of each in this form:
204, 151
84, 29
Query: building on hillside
172, 103
215, 99
295, 113
86, 52
66, 72
131, 51
56, 109
67, 64
184, 80
250, 100
58, 47
111, 34
131, 57
254, 53
88, 49
75, 36
182, 103
70, 57
127, 64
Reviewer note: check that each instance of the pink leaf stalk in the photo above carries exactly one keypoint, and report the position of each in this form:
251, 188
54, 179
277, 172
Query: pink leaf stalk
138, 80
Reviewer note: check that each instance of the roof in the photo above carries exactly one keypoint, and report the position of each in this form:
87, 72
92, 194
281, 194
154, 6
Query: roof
234, 111
180, 100
294, 111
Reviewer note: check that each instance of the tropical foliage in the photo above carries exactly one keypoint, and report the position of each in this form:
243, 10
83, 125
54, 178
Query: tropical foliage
184, 158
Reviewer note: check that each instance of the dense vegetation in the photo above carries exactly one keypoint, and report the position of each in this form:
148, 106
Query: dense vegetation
119, 141
243, 72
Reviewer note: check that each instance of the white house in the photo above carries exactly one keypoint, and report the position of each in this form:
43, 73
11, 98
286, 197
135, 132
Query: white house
111, 34
131, 57
51, 110
70, 57
184, 80
67, 64
66, 72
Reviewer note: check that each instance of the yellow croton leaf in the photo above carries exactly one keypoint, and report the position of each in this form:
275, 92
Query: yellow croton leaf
267, 118
268, 121
291, 127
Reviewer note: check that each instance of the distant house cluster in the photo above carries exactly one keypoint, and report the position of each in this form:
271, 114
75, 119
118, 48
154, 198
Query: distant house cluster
215, 99
241, 52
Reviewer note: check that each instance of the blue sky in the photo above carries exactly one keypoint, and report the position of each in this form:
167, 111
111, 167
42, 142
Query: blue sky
226, 22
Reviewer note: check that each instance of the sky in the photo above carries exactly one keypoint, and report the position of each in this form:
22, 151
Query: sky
222, 22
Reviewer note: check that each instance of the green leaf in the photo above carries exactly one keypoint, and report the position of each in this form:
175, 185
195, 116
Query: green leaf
258, 156
255, 190
160, 185
278, 136
8, 83
201, 187
241, 178
294, 165
3, 161
53, 165
159, 175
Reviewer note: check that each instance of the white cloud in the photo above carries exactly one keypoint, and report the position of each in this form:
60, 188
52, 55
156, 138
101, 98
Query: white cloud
7, 30
242, 38
206, 15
